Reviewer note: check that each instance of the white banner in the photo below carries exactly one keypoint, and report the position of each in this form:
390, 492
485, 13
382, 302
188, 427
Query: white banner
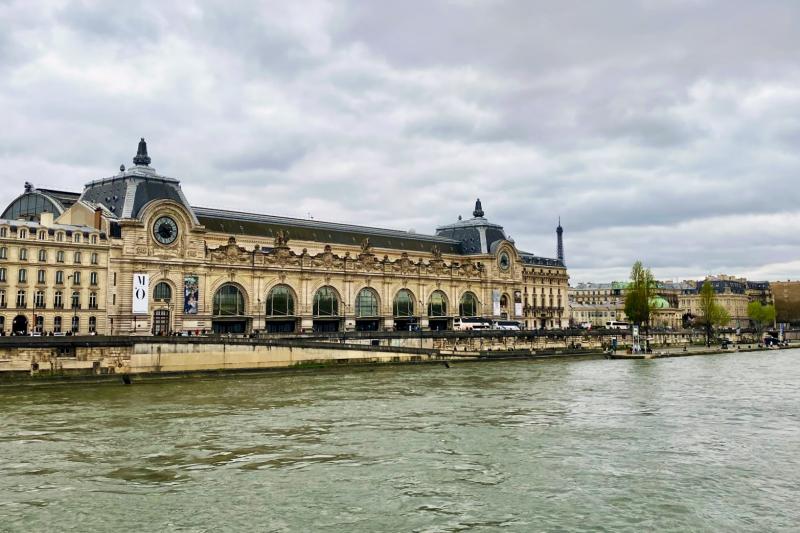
141, 293
496, 302
518, 309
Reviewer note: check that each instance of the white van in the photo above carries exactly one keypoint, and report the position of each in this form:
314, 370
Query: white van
468, 323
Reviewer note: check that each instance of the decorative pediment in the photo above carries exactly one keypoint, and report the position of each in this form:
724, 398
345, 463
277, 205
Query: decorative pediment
327, 259
230, 253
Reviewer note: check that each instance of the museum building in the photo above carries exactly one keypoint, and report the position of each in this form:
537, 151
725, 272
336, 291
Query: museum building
130, 255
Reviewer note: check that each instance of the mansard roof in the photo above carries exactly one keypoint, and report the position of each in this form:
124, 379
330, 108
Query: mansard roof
234, 222
126, 193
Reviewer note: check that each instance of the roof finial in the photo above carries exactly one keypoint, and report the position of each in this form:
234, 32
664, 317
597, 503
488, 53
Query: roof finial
141, 159
478, 209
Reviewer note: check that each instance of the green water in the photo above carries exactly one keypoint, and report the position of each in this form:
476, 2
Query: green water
693, 444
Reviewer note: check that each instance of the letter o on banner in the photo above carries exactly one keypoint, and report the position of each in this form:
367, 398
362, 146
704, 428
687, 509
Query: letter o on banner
141, 290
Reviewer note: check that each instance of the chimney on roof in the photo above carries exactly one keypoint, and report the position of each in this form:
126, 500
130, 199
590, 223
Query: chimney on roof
141, 158
98, 218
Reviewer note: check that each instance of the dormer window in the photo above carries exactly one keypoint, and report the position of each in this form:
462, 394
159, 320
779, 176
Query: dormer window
23, 234
60, 236
76, 237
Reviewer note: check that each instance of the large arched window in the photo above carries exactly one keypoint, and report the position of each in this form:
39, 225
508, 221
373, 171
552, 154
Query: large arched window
326, 303
280, 301
228, 301
162, 292
468, 306
366, 303
437, 304
403, 303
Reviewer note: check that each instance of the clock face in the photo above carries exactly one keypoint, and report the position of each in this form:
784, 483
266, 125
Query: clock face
165, 230
505, 262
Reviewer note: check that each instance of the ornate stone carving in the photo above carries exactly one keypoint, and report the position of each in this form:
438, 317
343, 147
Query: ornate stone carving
230, 253
281, 239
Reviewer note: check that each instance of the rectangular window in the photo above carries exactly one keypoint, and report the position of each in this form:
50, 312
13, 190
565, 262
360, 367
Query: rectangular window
76, 278
94, 258
60, 237
23, 234
21, 298
40, 276
76, 324
92, 300
3, 232
38, 299
94, 239
2, 274
43, 255
3, 302
92, 324
76, 237
3, 252
57, 324
23, 254
77, 258
23, 275
42, 235
60, 256
93, 278
115, 279
76, 300
59, 277
58, 300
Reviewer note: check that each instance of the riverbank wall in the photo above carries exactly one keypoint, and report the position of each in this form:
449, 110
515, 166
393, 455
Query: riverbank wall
52, 358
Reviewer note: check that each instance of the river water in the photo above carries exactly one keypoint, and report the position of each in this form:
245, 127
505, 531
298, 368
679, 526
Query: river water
708, 443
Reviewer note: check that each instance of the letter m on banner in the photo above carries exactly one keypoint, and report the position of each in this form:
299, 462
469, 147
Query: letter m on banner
141, 293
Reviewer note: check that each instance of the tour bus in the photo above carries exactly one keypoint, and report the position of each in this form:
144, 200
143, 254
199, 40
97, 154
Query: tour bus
615, 324
466, 323
506, 325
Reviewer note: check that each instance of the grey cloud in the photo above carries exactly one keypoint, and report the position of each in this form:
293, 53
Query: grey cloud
642, 124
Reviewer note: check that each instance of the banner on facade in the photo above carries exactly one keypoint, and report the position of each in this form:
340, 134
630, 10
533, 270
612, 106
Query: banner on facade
141, 293
518, 303
496, 302
191, 294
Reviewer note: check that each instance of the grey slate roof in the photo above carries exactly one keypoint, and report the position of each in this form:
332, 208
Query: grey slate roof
129, 191
224, 221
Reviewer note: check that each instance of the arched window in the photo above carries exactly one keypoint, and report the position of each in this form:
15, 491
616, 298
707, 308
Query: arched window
162, 292
468, 306
326, 303
280, 301
228, 301
403, 303
366, 303
437, 304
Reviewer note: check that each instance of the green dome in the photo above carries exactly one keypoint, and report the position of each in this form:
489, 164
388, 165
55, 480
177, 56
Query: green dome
658, 302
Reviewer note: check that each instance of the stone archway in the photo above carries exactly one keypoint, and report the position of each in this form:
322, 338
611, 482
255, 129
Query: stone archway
20, 325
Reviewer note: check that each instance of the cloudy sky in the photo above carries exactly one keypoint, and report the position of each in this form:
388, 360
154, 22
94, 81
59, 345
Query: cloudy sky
664, 130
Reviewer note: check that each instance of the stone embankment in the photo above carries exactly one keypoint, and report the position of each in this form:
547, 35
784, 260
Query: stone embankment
37, 359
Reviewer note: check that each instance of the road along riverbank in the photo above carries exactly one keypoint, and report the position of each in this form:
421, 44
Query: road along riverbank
26, 360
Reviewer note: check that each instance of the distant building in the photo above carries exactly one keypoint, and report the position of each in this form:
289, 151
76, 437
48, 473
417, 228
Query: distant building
786, 295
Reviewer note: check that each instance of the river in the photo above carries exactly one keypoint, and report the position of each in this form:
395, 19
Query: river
708, 443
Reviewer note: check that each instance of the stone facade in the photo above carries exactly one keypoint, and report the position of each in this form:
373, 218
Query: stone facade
230, 272
53, 277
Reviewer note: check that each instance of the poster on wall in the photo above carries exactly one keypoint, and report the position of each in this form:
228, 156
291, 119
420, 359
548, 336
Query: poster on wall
518, 303
496, 302
141, 293
191, 294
